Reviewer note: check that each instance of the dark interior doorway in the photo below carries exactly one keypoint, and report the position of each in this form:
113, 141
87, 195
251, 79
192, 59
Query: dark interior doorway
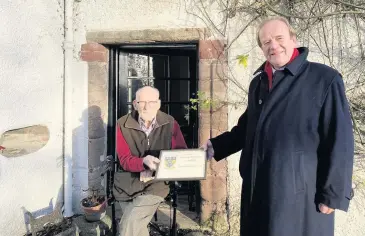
172, 69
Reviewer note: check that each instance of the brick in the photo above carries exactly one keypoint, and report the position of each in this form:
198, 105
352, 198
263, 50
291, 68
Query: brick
97, 95
215, 69
204, 86
219, 190
96, 127
220, 121
220, 89
211, 49
206, 211
203, 137
220, 207
206, 186
219, 168
214, 187
93, 47
94, 56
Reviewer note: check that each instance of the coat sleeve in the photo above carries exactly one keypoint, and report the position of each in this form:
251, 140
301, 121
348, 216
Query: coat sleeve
178, 141
232, 141
127, 161
336, 149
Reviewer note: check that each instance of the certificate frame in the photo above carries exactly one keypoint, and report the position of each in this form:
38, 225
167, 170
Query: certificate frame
175, 167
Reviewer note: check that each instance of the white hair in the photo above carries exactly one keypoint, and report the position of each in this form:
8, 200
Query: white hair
150, 87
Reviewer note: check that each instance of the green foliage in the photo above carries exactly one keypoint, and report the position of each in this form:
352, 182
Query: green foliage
202, 101
242, 60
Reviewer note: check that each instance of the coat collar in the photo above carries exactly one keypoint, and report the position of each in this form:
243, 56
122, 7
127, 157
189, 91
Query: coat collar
294, 66
132, 120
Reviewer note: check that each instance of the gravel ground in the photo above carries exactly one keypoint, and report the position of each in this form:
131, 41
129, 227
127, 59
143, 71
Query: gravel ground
156, 230
54, 229
180, 232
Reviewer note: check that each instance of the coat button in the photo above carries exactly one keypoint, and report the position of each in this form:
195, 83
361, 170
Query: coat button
260, 101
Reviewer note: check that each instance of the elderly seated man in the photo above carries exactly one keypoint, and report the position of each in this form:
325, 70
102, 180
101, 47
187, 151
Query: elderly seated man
141, 135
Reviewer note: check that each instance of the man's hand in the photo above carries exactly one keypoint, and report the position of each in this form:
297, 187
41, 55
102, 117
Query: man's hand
146, 176
208, 147
325, 209
151, 162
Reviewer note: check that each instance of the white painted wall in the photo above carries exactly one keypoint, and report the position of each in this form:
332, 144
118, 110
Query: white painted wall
31, 67
31, 88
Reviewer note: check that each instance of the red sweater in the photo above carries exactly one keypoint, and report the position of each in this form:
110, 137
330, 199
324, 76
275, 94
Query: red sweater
135, 164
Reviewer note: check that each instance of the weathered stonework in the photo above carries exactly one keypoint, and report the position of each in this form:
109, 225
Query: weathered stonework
23, 141
213, 83
148, 35
97, 57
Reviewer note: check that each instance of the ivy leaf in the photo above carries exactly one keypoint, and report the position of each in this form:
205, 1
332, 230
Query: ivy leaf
193, 100
242, 59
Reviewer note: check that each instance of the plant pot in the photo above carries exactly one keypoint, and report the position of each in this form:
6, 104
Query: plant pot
94, 212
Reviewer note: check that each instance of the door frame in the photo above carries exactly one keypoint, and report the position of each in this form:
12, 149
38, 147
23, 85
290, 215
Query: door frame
211, 51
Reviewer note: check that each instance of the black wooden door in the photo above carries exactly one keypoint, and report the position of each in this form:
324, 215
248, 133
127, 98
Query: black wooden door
172, 69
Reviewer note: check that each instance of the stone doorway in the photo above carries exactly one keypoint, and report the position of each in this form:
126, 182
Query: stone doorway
212, 81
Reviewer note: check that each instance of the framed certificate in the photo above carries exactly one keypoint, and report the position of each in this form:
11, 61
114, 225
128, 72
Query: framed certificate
181, 165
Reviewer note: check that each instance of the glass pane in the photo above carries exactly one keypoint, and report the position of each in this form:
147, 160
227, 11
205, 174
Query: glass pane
181, 113
164, 108
159, 66
179, 67
180, 90
161, 86
137, 65
133, 86
130, 108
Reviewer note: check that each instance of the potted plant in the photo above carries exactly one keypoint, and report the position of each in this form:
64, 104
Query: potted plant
94, 206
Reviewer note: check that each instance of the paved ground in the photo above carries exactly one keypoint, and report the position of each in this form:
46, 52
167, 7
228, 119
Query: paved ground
185, 218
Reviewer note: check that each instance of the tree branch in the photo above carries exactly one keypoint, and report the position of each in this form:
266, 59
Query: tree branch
242, 30
310, 17
349, 4
205, 13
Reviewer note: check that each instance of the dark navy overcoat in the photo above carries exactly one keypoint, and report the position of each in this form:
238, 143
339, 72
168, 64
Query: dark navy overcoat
297, 150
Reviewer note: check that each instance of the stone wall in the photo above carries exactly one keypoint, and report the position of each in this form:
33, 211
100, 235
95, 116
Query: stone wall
212, 122
96, 55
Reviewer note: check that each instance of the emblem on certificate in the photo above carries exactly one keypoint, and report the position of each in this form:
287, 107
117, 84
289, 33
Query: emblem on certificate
170, 162
181, 165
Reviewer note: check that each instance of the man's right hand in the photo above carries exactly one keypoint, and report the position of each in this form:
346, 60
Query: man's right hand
151, 162
208, 147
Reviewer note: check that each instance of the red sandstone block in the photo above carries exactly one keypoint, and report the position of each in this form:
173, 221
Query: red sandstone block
211, 49
93, 47
93, 56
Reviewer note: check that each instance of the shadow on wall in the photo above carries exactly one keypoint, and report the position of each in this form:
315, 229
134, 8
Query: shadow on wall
35, 220
96, 147
80, 169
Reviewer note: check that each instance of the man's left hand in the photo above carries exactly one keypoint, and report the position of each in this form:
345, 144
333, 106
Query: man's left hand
146, 176
325, 209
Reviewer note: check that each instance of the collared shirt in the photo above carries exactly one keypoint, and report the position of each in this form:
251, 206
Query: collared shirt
273, 69
142, 125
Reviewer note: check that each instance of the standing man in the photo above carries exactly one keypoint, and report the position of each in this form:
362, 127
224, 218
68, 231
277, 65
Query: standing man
296, 140
141, 135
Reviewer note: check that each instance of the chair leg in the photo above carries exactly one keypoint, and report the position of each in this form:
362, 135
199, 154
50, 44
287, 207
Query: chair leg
155, 215
191, 195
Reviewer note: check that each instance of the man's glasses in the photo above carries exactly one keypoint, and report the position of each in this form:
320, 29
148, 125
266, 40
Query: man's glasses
150, 103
